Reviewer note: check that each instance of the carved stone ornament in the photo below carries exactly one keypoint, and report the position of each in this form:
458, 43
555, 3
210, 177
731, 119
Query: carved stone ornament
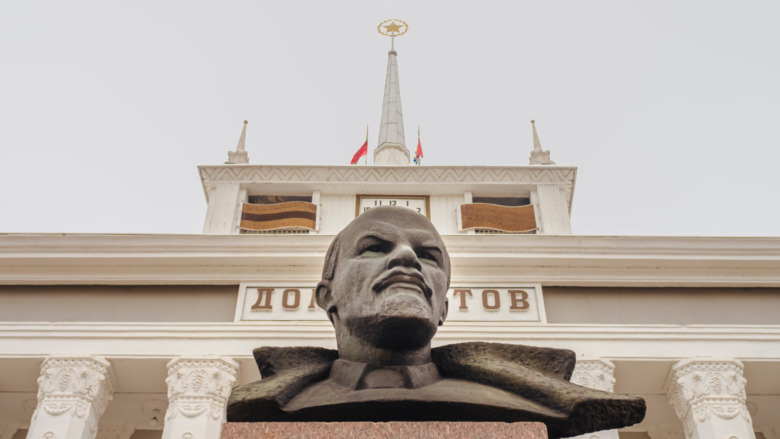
75, 386
540, 158
367, 175
199, 387
594, 374
702, 389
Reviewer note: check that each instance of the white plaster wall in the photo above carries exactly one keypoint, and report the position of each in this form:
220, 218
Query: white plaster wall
554, 210
662, 306
563, 305
223, 209
125, 303
336, 211
444, 209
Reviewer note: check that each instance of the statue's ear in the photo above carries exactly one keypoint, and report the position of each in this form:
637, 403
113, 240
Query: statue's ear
444, 311
325, 298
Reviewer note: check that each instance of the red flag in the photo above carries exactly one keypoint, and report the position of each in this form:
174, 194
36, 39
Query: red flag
418, 154
363, 151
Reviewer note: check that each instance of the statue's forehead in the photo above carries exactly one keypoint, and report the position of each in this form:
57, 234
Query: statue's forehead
393, 230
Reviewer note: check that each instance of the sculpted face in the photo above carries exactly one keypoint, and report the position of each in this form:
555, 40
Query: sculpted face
390, 280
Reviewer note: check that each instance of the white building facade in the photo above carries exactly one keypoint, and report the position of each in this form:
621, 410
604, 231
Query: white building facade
143, 336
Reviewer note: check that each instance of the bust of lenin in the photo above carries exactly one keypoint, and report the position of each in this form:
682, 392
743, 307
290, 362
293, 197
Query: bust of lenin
384, 287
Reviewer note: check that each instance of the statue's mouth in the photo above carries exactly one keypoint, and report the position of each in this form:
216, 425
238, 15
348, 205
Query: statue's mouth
411, 278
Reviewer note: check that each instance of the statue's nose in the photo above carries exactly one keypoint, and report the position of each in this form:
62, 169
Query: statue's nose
404, 256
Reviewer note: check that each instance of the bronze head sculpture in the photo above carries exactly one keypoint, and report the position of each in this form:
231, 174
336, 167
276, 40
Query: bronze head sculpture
384, 288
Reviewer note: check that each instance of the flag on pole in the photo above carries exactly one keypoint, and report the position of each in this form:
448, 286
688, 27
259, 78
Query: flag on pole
363, 151
418, 155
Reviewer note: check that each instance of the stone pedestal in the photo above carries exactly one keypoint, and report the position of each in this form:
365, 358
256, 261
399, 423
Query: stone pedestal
381, 430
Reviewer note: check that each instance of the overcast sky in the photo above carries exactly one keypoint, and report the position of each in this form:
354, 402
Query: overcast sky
670, 109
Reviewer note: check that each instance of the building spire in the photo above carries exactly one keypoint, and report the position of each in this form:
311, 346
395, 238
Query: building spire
391, 147
240, 156
538, 157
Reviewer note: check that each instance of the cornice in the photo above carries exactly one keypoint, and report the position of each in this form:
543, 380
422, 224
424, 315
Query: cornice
231, 259
410, 176
384, 174
59, 244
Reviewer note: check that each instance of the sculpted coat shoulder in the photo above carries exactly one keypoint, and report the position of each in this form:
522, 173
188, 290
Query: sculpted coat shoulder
479, 382
384, 288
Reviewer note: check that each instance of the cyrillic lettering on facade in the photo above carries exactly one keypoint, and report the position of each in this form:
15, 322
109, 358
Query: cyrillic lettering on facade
522, 303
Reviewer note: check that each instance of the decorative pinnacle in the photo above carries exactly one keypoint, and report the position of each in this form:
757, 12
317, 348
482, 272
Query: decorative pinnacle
537, 143
538, 156
392, 30
240, 155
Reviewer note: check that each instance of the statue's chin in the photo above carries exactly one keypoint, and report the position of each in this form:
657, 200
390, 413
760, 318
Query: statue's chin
402, 322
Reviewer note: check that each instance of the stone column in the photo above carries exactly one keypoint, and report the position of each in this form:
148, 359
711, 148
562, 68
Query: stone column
709, 398
118, 431
598, 374
553, 210
225, 200
73, 393
770, 432
8, 430
198, 390
665, 432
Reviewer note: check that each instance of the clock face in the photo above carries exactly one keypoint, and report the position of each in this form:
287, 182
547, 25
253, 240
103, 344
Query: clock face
416, 203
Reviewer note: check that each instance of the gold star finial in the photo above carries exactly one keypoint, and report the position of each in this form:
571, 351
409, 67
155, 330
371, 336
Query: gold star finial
392, 27
392, 30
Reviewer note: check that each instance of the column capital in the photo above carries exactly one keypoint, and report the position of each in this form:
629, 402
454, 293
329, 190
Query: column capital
198, 390
594, 373
709, 391
73, 393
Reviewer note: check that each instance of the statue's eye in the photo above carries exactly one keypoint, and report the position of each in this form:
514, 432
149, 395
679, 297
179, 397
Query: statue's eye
376, 247
427, 255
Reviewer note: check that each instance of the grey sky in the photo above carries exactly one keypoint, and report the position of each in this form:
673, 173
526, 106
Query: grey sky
670, 109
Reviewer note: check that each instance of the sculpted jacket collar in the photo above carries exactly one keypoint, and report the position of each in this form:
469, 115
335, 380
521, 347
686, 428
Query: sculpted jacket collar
534, 374
360, 376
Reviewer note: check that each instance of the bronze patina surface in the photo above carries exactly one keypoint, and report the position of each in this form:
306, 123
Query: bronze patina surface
384, 287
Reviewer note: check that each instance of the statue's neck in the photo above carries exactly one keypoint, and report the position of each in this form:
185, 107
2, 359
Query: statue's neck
354, 349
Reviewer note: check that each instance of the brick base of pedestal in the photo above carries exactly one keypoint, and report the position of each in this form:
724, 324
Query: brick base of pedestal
383, 430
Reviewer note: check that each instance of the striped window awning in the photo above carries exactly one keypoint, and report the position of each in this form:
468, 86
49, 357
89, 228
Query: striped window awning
292, 215
482, 216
